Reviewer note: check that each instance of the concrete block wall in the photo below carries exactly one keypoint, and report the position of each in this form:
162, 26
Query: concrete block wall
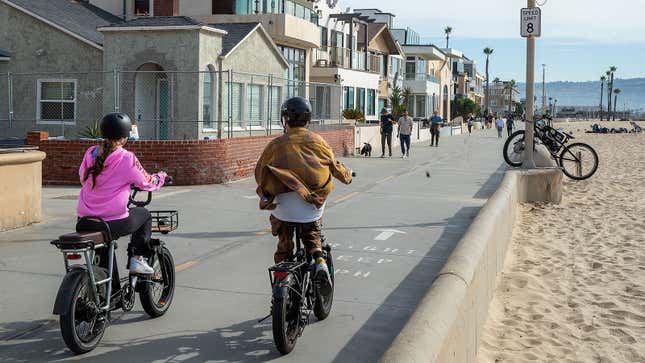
190, 162
446, 325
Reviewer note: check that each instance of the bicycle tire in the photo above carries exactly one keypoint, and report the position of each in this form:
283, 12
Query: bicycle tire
284, 335
509, 140
68, 321
323, 304
153, 306
569, 173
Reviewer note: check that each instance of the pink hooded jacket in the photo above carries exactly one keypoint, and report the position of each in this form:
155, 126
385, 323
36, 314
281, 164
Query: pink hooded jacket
109, 198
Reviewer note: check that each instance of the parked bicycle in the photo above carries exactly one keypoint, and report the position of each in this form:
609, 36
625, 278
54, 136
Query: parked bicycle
578, 160
92, 289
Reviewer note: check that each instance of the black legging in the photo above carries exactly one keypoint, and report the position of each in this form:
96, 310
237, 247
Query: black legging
510, 131
138, 224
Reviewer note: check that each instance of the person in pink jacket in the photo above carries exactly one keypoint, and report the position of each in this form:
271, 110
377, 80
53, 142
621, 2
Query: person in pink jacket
106, 173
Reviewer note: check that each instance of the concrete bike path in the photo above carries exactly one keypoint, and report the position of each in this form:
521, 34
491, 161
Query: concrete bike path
391, 230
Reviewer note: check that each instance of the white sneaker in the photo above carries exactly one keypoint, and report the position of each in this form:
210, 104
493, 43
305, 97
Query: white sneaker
402, 156
139, 266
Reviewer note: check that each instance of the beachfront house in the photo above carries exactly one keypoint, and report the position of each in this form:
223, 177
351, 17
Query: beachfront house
501, 96
71, 62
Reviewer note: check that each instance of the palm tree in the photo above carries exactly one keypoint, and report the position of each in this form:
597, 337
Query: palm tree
496, 80
616, 93
610, 87
448, 31
603, 78
510, 86
488, 52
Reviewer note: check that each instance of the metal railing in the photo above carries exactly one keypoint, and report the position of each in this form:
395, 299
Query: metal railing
421, 77
338, 57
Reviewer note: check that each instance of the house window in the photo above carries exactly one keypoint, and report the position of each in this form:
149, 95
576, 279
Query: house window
142, 8
371, 99
233, 103
324, 34
254, 104
207, 100
296, 70
420, 106
57, 101
349, 97
275, 96
244, 7
411, 68
360, 99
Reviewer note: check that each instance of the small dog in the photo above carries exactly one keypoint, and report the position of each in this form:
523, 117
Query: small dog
366, 150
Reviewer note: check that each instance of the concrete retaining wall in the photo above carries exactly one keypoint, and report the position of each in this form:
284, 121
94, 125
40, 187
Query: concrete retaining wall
21, 188
446, 325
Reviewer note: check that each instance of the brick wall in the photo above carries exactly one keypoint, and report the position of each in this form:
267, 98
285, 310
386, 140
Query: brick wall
190, 162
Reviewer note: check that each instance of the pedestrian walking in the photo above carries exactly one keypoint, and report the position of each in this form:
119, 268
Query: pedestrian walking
471, 120
387, 125
510, 125
500, 126
404, 132
435, 129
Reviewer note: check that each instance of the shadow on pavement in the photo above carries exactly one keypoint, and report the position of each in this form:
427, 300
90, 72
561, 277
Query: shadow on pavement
248, 341
377, 334
491, 184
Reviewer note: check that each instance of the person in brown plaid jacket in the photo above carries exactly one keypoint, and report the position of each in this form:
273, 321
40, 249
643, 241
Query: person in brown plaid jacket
294, 177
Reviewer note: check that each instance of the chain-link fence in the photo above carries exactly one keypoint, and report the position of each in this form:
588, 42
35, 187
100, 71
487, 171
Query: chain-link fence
162, 104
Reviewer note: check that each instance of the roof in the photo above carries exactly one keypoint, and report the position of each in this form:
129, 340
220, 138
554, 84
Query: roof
4, 53
77, 17
157, 21
376, 29
237, 32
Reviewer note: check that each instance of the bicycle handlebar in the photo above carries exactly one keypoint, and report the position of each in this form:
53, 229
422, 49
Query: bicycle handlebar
136, 190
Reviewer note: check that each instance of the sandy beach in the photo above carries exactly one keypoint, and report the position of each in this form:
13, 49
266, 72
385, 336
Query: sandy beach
573, 287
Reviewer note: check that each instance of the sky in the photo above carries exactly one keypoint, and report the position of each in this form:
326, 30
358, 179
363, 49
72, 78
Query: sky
580, 38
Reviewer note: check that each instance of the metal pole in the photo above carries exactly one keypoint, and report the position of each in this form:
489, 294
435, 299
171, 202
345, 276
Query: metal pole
230, 103
270, 105
220, 105
116, 90
529, 163
10, 97
172, 106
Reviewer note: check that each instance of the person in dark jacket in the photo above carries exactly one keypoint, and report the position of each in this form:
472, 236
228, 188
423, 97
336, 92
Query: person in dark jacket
387, 126
510, 125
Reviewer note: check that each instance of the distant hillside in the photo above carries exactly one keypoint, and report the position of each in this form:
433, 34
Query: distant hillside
588, 93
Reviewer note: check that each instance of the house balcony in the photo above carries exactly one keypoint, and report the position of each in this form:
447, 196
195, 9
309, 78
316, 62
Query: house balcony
283, 28
422, 83
345, 58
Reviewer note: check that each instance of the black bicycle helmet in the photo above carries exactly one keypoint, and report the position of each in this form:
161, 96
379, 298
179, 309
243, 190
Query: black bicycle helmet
116, 126
297, 110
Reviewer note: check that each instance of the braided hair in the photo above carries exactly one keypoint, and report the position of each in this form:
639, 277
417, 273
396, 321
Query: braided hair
99, 163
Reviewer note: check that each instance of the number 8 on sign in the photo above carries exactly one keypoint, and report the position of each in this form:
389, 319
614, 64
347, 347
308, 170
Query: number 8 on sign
531, 20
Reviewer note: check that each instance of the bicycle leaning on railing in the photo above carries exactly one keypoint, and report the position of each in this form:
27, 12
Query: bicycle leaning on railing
578, 160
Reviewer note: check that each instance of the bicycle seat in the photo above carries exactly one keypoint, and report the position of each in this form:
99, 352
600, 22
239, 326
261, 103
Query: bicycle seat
76, 240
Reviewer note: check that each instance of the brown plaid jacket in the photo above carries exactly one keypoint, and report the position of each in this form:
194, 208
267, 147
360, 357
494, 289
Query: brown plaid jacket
299, 161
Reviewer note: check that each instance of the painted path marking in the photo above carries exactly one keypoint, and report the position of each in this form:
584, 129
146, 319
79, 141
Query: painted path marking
386, 234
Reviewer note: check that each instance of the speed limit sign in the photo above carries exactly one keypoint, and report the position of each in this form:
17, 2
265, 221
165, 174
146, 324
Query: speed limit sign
531, 23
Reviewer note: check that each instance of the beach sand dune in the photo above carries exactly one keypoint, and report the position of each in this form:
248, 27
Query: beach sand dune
573, 287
